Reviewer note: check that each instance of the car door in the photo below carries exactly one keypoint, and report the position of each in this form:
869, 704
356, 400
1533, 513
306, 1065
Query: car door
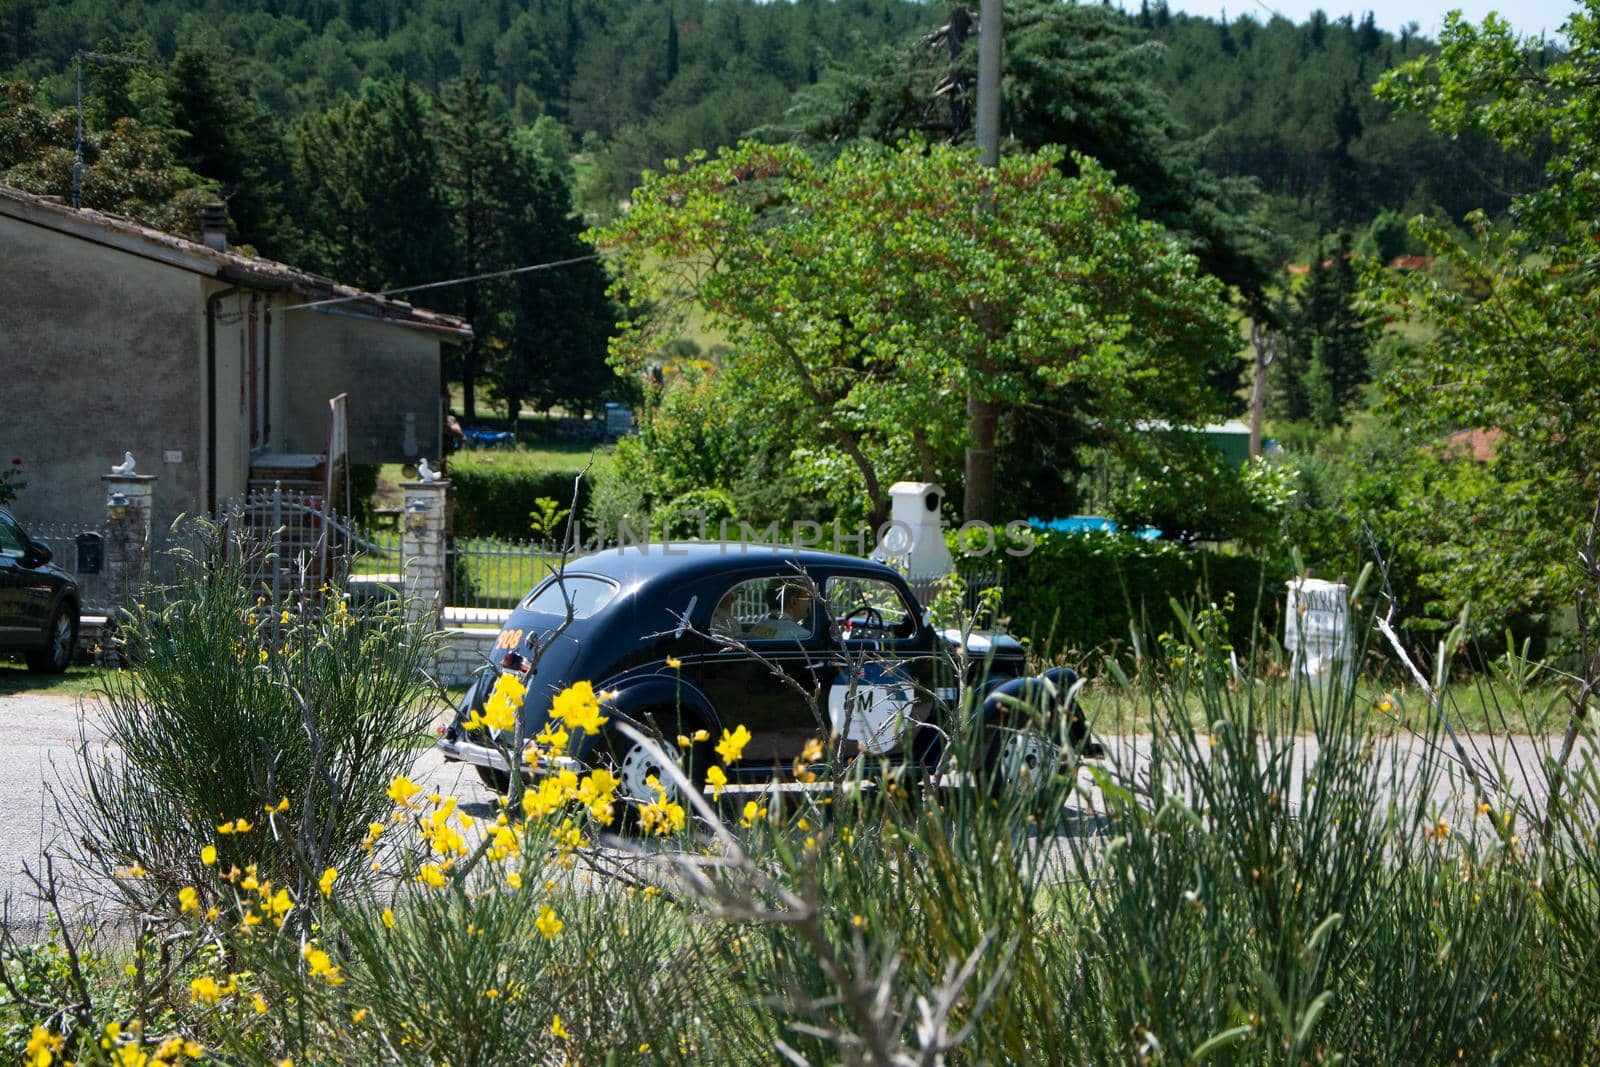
769, 649
879, 692
13, 584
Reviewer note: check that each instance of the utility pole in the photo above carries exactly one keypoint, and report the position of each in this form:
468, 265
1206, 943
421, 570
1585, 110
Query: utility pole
989, 83
983, 411
77, 145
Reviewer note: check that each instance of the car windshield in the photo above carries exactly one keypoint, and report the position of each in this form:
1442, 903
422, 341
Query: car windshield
584, 593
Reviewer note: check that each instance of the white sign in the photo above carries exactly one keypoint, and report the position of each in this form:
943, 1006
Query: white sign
875, 709
1316, 625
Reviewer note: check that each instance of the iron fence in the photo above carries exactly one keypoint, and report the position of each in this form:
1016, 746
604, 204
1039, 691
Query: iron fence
487, 577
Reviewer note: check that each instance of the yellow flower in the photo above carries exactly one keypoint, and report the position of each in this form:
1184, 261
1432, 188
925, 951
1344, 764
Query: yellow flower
500, 710
188, 899
514, 879
236, 826
813, 750
321, 966
717, 779
578, 708
752, 812
262, 656
731, 747
431, 876
674, 662
208, 855
683, 741
557, 1030
402, 789
204, 988
358, 1015
325, 883
42, 1047
259, 1003
281, 805
388, 919
548, 924
661, 816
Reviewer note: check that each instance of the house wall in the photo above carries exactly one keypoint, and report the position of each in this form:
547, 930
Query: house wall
390, 373
244, 326
99, 353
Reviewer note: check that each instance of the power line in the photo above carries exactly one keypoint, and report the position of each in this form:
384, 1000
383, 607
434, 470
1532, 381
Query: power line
448, 281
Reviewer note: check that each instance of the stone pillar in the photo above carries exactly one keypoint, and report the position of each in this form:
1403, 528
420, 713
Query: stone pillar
422, 547
127, 544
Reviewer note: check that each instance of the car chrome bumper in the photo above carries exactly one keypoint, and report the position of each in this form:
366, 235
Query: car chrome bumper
486, 756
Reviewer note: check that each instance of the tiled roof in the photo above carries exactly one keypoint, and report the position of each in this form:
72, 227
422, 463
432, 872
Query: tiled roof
132, 236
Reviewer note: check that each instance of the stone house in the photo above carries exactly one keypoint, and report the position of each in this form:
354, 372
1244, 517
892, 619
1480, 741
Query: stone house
211, 367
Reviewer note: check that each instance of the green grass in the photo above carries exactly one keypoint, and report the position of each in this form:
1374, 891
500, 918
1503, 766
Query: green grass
16, 679
1475, 705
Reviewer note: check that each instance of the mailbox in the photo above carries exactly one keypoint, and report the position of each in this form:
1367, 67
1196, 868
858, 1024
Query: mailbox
91, 553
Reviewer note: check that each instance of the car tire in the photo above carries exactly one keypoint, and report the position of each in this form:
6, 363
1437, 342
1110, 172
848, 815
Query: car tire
62, 639
1015, 759
633, 764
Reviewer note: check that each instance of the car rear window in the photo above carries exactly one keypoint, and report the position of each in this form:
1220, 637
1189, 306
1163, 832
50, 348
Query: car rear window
586, 595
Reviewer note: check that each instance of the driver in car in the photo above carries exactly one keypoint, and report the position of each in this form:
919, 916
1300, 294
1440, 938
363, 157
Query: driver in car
790, 614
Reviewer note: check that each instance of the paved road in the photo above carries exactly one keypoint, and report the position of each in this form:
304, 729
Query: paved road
39, 735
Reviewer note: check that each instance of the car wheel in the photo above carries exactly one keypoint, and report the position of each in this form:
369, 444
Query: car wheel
56, 656
1016, 762
634, 765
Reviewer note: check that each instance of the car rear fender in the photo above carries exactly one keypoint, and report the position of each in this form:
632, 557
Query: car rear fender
674, 702
1055, 692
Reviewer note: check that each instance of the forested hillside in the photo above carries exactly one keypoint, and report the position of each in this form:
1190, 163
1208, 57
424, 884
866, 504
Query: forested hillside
637, 81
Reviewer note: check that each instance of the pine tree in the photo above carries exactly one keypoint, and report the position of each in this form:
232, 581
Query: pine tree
228, 136
1325, 363
474, 164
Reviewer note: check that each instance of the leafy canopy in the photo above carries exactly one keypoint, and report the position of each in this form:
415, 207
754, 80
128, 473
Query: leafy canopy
865, 297
1516, 312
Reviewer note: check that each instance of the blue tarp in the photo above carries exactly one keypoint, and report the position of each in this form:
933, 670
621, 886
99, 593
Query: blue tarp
1090, 524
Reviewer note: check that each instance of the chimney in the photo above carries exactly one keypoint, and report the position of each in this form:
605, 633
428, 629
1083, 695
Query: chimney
214, 226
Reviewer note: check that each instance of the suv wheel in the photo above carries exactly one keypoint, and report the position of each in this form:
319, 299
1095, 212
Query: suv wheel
56, 656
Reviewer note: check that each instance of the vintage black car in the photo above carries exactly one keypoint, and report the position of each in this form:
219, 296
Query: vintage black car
688, 637
38, 602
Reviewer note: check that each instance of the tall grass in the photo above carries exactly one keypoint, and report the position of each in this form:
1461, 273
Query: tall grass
1277, 882
292, 718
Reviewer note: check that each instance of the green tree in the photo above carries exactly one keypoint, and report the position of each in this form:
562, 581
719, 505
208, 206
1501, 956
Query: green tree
128, 168
899, 302
1330, 337
475, 165
370, 206
1515, 313
226, 135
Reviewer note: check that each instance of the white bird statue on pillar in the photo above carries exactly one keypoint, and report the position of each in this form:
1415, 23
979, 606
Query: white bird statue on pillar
126, 466
426, 473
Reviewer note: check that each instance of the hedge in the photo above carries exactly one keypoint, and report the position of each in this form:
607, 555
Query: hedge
495, 491
1078, 591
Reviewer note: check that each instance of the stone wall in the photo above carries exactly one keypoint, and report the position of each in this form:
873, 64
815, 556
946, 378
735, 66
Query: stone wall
462, 653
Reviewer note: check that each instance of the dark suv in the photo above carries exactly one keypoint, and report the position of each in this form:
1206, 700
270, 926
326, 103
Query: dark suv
38, 602
794, 646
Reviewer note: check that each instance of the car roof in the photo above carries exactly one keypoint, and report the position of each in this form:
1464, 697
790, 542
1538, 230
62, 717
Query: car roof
680, 561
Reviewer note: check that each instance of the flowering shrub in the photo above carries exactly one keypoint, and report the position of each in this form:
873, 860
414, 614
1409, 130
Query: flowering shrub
238, 718
11, 482
1250, 903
